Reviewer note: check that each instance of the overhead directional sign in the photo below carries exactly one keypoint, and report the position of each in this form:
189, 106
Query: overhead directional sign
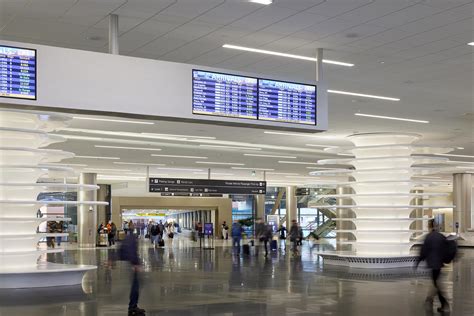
171, 185
302, 191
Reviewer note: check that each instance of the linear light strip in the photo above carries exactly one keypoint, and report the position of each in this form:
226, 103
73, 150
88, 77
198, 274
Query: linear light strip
179, 169
176, 135
179, 156
297, 162
270, 156
270, 52
324, 146
471, 43
371, 96
221, 163
229, 147
97, 157
105, 169
111, 120
391, 118
131, 148
253, 169
283, 173
140, 164
454, 155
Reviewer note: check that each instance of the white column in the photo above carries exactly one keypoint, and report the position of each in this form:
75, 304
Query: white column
260, 206
343, 213
462, 199
291, 205
113, 34
87, 214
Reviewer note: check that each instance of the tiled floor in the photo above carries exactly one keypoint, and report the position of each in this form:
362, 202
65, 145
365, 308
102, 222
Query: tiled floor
185, 280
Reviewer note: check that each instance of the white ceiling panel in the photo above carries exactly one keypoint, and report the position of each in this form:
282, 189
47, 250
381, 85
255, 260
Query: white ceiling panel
125, 24
264, 17
443, 4
130, 41
143, 9
192, 50
408, 15
286, 44
192, 8
214, 57
298, 5
360, 31
376, 9
333, 8
193, 30
258, 39
229, 11
295, 23
162, 45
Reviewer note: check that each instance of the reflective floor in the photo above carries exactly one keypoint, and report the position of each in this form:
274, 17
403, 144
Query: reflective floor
186, 280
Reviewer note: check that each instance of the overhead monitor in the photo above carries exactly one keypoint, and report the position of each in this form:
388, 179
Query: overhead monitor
17, 72
221, 94
286, 102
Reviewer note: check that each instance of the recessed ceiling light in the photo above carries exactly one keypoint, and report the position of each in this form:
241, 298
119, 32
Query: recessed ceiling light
363, 95
104, 169
270, 156
176, 135
324, 146
229, 147
131, 148
97, 157
180, 169
68, 164
253, 169
265, 2
179, 156
453, 155
298, 162
111, 120
139, 164
221, 163
460, 148
269, 52
322, 168
283, 173
391, 118
471, 43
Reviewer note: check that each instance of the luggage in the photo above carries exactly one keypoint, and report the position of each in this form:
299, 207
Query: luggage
450, 250
273, 245
161, 243
246, 250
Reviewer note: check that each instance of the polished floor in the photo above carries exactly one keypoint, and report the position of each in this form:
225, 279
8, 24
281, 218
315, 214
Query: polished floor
186, 280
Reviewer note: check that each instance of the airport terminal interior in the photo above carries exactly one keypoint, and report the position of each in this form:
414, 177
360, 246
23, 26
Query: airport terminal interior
237, 157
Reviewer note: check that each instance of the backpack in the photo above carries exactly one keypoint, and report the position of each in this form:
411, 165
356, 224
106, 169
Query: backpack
450, 250
155, 230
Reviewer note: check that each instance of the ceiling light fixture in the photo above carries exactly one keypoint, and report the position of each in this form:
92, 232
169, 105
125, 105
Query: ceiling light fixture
391, 118
179, 156
151, 135
269, 52
68, 164
111, 120
229, 147
221, 163
131, 148
323, 168
270, 156
97, 157
140, 164
471, 43
371, 96
454, 155
104, 169
460, 148
215, 173
297, 162
253, 169
265, 2
324, 146
180, 169
283, 173
456, 162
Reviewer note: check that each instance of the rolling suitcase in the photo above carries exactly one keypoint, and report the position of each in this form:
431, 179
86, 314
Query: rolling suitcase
273, 245
246, 250
161, 243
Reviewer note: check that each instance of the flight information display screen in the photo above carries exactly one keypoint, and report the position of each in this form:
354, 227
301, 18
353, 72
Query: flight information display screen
286, 102
17, 72
224, 95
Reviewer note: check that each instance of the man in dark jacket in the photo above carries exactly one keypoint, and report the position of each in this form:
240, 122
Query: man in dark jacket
432, 252
129, 252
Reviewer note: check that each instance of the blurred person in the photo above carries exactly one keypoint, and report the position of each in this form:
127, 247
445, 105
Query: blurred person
225, 231
125, 227
129, 252
267, 236
259, 234
170, 233
236, 233
282, 231
436, 251
295, 236
131, 227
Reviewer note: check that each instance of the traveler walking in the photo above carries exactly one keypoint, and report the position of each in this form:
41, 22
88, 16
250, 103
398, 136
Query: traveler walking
259, 234
436, 251
282, 231
129, 252
267, 237
295, 236
225, 231
237, 231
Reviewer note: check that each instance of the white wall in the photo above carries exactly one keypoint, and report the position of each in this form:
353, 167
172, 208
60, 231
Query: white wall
83, 80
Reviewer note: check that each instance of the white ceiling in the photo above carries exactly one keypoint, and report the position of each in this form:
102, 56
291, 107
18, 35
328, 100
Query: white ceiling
412, 50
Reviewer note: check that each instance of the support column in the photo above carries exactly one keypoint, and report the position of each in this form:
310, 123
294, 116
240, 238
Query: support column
260, 206
419, 211
104, 213
462, 199
87, 214
113, 34
291, 205
343, 213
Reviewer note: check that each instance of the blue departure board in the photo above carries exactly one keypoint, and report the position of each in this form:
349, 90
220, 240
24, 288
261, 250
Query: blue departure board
17, 72
224, 95
286, 102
